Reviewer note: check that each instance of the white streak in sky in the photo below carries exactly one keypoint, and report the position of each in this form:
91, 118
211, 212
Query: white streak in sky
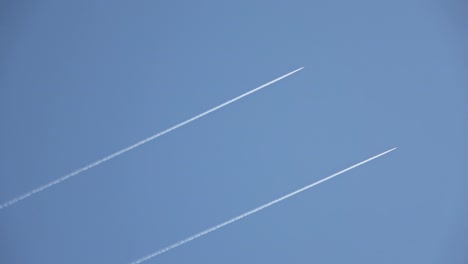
122, 151
232, 220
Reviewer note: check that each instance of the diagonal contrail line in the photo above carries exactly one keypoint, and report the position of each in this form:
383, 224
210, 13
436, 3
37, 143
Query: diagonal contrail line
232, 220
122, 151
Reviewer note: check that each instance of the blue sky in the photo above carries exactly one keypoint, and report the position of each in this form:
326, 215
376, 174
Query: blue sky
82, 79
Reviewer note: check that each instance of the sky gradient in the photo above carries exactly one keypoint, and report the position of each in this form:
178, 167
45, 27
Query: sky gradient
81, 80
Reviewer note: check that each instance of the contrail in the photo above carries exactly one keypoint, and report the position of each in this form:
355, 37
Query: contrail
122, 151
232, 220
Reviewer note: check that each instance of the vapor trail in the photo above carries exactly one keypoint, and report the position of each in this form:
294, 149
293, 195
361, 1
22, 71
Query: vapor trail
122, 151
232, 220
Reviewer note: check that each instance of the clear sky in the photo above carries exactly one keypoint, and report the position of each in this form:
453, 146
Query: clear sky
82, 79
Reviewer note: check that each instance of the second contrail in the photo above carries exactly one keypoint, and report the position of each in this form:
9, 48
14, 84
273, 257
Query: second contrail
232, 220
122, 151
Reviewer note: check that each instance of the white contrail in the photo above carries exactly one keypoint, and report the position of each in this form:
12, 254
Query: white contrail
122, 151
232, 220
